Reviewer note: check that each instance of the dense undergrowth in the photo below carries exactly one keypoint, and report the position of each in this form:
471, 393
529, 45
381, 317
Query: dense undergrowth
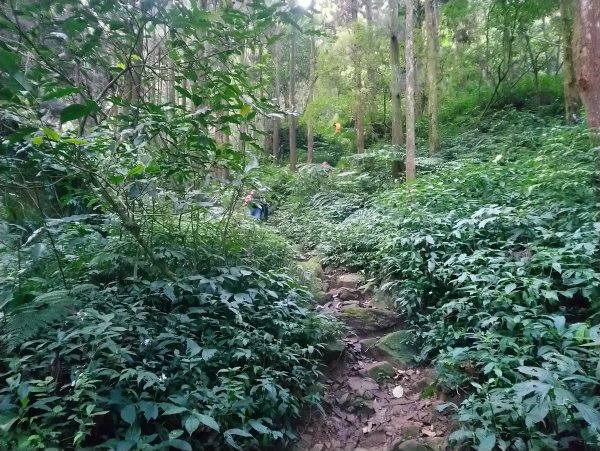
492, 259
100, 351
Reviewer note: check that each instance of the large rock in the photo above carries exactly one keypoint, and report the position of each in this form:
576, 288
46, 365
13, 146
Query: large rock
365, 320
378, 370
410, 445
313, 267
366, 344
436, 443
350, 280
394, 348
333, 351
313, 276
362, 386
410, 431
346, 294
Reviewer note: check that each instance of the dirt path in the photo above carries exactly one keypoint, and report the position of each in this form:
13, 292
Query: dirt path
376, 399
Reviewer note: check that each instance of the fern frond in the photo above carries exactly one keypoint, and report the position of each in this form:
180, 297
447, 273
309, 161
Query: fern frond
29, 320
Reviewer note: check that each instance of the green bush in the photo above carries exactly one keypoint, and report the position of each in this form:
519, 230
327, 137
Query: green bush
120, 358
493, 261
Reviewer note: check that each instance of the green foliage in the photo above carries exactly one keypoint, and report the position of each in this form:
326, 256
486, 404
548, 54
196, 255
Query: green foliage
493, 261
207, 361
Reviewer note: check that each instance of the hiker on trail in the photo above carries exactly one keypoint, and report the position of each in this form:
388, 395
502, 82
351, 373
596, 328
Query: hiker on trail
326, 167
338, 127
259, 208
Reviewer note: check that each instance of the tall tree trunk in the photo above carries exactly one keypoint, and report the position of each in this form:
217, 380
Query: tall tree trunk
587, 61
372, 104
292, 95
310, 129
396, 85
359, 112
277, 63
410, 93
572, 100
433, 46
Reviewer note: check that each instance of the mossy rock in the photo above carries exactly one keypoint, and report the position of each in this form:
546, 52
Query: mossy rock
410, 445
410, 431
365, 320
333, 351
378, 371
313, 275
313, 267
366, 344
382, 299
321, 297
395, 348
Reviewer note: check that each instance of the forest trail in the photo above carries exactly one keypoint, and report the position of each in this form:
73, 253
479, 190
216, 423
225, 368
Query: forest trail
376, 398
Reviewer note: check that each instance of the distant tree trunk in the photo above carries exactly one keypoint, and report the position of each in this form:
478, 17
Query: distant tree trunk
410, 93
396, 85
572, 100
292, 95
359, 111
310, 129
171, 85
432, 73
372, 103
277, 63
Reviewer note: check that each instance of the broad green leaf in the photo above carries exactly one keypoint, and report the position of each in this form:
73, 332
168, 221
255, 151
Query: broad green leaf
77, 111
59, 93
487, 443
10, 62
192, 348
128, 413
589, 414
538, 412
52, 134
510, 288
208, 354
179, 444
174, 410
136, 170
191, 423
149, 409
208, 421
259, 427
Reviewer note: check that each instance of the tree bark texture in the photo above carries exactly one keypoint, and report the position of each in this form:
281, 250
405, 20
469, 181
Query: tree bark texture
587, 61
310, 129
292, 101
410, 93
396, 82
359, 110
571, 93
433, 46
277, 97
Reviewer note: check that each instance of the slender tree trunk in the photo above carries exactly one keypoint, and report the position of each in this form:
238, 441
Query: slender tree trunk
372, 104
410, 93
572, 100
292, 95
359, 112
310, 129
397, 136
277, 62
432, 73
171, 85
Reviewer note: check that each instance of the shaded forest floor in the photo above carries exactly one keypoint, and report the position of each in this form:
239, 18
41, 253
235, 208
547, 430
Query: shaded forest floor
376, 399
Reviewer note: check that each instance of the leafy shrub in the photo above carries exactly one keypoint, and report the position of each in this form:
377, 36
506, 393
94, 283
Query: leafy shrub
226, 358
493, 260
